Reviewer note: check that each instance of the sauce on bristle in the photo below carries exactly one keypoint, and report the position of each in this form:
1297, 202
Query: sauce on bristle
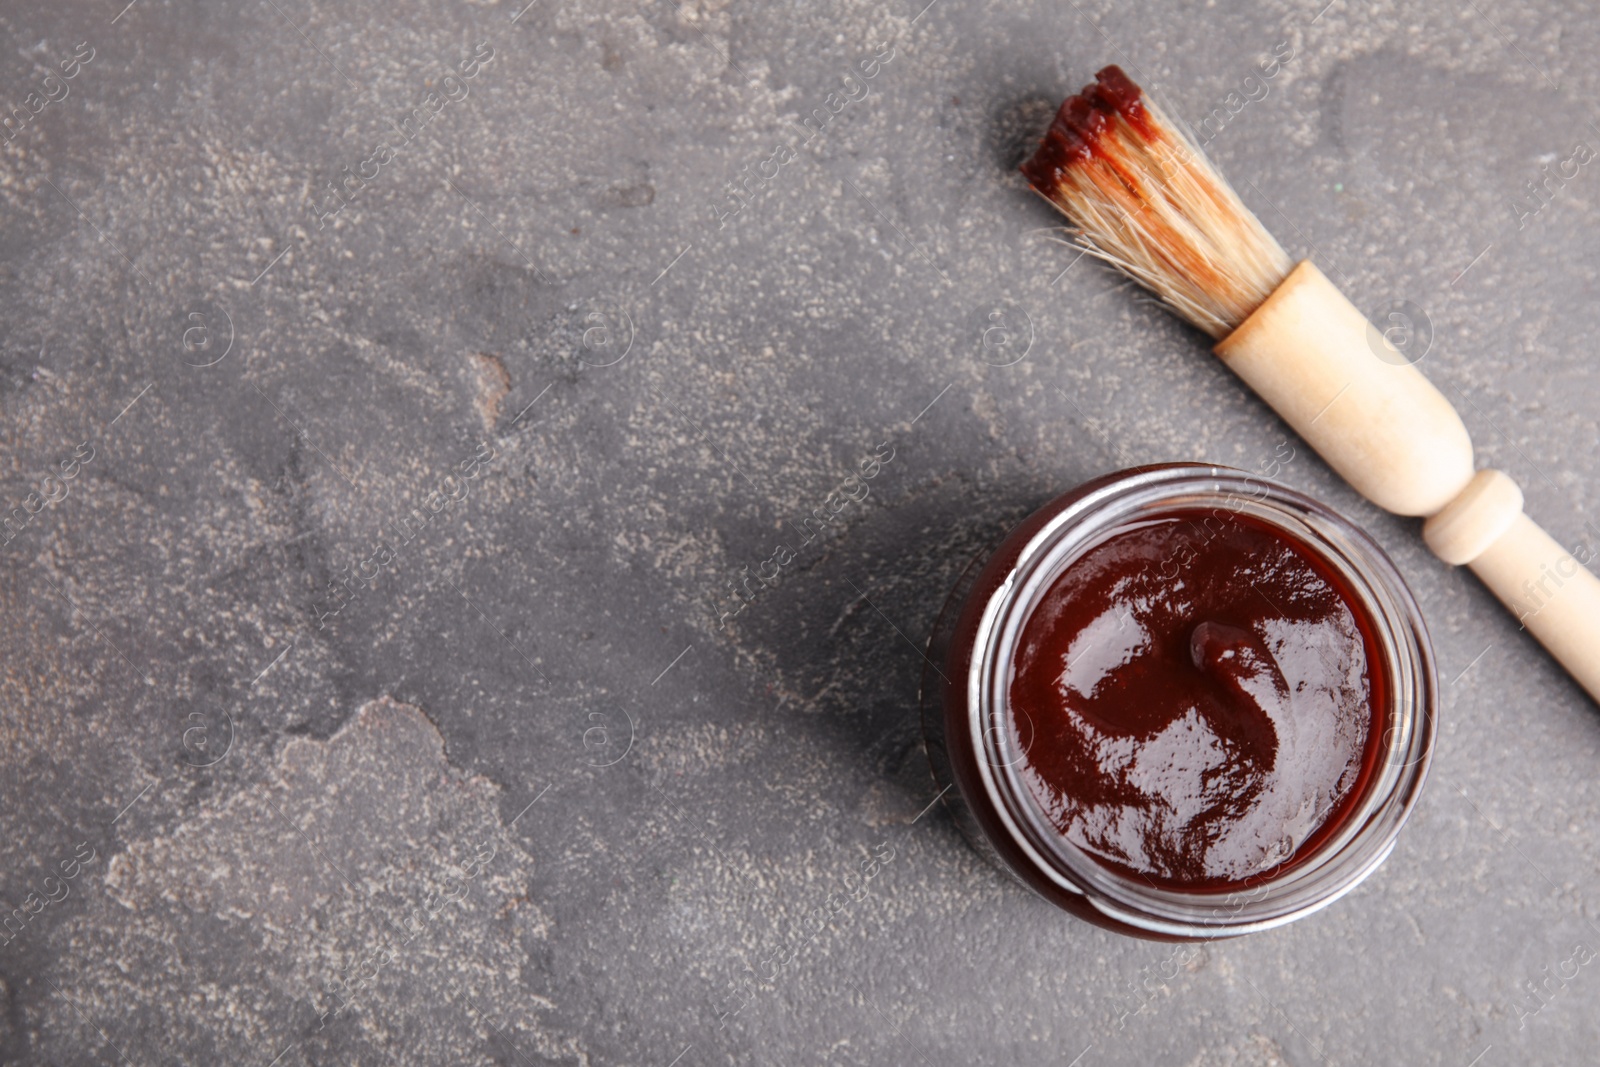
1144, 198
1081, 122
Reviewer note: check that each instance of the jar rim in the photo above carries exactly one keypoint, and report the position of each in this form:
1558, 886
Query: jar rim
1365, 833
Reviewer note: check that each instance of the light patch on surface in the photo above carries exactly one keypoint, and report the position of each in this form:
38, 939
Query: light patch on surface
365, 870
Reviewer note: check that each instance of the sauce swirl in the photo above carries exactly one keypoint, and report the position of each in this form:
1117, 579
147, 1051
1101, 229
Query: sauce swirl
1196, 701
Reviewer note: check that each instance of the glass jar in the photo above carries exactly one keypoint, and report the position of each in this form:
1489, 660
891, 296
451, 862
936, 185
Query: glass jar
975, 748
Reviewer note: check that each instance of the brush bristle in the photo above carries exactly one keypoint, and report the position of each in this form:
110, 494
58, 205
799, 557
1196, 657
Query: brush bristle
1145, 199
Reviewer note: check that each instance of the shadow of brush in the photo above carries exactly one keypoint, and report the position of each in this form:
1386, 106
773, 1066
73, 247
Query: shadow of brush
1015, 129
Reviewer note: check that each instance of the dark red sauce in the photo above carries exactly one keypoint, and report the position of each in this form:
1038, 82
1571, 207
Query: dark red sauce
1199, 700
1081, 121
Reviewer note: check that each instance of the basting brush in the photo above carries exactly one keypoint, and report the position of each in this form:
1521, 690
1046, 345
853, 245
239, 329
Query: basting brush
1144, 199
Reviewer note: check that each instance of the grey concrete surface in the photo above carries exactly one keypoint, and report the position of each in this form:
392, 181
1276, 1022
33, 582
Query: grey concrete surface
526, 791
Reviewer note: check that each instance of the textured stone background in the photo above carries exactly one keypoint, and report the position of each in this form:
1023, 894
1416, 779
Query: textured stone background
522, 800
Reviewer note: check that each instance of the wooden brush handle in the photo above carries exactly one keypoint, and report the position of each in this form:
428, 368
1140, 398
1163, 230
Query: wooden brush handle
1546, 587
1310, 354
